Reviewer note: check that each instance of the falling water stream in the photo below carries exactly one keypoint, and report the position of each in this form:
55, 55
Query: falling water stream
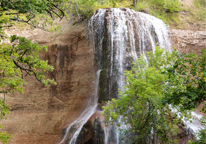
85, 115
119, 36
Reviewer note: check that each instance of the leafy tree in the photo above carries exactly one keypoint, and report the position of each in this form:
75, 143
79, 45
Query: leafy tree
186, 85
27, 11
166, 80
141, 105
16, 60
21, 57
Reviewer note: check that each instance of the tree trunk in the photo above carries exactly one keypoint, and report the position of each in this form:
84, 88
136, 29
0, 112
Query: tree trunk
134, 3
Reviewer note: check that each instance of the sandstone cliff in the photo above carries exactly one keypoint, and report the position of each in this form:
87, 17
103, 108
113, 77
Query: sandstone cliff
39, 115
188, 41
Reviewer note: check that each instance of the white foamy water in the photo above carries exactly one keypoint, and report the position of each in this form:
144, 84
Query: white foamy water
196, 125
193, 124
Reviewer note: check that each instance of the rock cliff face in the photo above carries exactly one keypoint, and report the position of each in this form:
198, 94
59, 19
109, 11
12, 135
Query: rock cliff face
42, 114
93, 131
188, 41
39, 115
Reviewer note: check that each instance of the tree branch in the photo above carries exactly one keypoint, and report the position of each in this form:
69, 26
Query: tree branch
27, 70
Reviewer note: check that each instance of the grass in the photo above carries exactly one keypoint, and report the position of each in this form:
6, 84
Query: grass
172, 12
200, 11
164, 9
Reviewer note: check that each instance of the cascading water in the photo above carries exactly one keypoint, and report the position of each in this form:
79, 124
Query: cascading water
192, 127
119, 36
85, 115
123, 35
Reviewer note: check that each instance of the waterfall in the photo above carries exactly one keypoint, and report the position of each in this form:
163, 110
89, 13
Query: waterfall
119, 36
126, 35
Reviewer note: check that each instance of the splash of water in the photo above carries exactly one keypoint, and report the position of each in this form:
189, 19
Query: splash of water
85, 115
196, 124
193, 124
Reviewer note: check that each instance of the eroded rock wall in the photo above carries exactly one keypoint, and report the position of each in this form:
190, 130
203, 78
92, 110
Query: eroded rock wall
39, 115
187, 41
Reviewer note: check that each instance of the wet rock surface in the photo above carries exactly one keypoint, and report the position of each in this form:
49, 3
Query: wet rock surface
93, 130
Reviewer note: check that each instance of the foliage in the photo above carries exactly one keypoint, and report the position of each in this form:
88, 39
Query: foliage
167, 10
163, 9
201, 3
200, 11
4, 110
16, 60
167, 80
141, 105
166, 5
186, 86
21, 57
86, 8
30, 12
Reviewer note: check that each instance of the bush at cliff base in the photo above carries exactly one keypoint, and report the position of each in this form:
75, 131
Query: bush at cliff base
177, 80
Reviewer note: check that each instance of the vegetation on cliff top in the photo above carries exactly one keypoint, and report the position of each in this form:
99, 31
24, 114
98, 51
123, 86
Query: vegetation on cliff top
172, 12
